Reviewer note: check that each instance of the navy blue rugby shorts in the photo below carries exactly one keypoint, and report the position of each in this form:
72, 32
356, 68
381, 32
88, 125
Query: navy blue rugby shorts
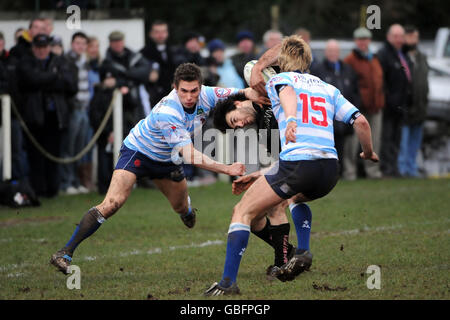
143, 166
313, 178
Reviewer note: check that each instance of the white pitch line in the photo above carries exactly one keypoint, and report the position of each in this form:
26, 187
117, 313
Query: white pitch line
201, 245
26, 239
153, 251
123, 254
15, 275
219, 242
356, 231
376, 229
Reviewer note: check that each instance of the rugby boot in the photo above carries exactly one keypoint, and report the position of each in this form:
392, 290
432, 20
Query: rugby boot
189, 218
299, 263
274, 271
61, 260
217, 290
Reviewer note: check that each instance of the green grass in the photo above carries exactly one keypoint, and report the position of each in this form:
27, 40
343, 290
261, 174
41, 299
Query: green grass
401, 225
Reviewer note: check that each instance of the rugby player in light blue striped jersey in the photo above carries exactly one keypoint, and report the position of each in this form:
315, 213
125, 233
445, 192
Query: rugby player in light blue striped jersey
304, 107
152, 149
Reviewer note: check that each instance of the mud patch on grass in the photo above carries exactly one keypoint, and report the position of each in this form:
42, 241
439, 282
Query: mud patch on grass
179, 291
326, 287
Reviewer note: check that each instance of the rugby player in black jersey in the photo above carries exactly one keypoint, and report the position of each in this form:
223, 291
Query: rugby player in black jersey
237, 112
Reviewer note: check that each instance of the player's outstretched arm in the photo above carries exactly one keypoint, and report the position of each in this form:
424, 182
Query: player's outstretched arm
362, 129
198, 159
269, 58
243, 183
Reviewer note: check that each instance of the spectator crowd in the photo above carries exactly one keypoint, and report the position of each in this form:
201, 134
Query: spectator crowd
63, 94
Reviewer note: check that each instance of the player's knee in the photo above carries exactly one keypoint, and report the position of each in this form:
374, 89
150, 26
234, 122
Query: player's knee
111, 205
277, 211
243, 213
237, 211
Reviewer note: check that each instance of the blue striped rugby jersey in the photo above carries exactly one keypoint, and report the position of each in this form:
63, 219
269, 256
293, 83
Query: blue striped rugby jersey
168, 126
318, 104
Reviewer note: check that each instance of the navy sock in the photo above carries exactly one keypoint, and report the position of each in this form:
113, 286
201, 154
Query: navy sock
238, 235
90, 222
301, 215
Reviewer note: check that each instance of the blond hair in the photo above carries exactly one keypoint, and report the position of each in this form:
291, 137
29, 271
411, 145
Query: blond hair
295, 55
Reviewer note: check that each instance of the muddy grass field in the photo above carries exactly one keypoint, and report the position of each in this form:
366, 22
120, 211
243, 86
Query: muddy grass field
399, 227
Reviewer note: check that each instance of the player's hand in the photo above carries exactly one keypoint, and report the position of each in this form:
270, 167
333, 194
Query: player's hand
291, 130
241, 184
373, 157
236, 169
255, 96
257, 81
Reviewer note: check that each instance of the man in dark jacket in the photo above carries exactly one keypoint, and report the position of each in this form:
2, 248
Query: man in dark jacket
131, 71
97, 109
159, 51
23, 46
21, 49
416, 112
45, 84
246, 47
397, 84
4, 55
189, 52
334, 71
6, 76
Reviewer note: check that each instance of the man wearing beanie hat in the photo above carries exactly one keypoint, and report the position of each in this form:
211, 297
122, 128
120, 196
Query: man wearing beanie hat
189, 52
225, 69
246, 47
370, 83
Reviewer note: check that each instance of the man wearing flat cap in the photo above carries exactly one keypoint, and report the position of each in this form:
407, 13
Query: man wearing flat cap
370, 83
129, 72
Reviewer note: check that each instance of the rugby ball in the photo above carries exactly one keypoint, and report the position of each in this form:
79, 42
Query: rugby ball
267, 73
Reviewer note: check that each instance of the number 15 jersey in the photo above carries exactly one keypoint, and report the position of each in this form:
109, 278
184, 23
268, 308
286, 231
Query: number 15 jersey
318, 104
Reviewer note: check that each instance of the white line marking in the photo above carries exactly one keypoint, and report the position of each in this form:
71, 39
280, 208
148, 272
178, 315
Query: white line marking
10, 267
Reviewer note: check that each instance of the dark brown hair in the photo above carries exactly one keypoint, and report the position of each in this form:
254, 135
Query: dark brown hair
222, 108
187, 72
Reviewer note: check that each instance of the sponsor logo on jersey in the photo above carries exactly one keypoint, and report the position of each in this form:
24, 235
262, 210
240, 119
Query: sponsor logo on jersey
275, 79
222, 92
